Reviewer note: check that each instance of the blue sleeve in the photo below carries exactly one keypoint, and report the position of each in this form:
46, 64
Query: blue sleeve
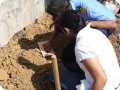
97, 11
94, 10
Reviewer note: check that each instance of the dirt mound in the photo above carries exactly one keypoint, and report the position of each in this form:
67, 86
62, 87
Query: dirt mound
21, 64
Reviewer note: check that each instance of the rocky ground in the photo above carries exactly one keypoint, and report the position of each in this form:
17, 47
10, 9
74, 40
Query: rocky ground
21, 64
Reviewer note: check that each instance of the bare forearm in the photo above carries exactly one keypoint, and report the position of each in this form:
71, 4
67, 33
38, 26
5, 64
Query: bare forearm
98, 85
96, 72
104, 24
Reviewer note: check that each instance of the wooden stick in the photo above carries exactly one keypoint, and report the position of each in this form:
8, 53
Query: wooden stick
54, 63
56, 72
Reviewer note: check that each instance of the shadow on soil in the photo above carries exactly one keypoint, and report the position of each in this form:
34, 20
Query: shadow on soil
59, 43
32, 44
40, 79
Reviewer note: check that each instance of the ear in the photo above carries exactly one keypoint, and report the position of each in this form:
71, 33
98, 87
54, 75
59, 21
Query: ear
66, 30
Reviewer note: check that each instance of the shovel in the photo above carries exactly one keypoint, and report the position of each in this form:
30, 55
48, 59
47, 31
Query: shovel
52, 56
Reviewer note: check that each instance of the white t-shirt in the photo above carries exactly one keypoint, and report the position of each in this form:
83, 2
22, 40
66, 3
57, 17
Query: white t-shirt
93, 43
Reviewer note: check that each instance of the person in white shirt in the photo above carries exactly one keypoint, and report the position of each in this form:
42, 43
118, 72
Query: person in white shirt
94, 54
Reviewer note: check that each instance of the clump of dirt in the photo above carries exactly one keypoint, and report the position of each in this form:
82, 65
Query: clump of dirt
21, 64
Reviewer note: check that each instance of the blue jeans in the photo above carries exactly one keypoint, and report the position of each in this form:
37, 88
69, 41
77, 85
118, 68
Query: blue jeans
68, 79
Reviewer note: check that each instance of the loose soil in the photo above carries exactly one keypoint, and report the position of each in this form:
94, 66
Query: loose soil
21, 64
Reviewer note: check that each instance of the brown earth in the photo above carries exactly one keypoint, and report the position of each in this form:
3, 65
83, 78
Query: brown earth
21, 64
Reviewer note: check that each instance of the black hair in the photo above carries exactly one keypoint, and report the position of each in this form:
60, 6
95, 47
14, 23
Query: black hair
56, 7
72, 19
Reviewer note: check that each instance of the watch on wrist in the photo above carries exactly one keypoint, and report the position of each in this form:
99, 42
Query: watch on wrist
90, 23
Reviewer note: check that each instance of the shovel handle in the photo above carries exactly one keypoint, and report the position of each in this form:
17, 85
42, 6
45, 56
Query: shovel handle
56, 73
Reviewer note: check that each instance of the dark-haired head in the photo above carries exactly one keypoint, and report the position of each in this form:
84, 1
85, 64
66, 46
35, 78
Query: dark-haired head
58, 6
72, 20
